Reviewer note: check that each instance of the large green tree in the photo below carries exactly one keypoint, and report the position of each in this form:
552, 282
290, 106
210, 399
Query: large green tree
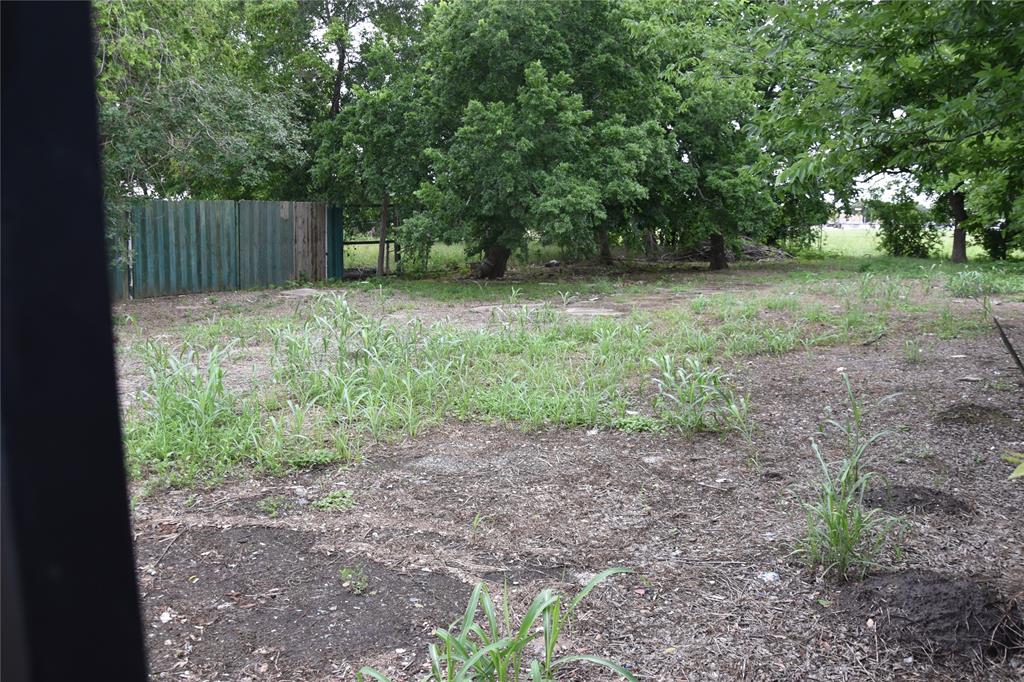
539, 126
222, 98
574, 123
182, 111
715, 180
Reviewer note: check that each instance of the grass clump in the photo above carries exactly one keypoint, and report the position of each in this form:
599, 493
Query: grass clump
336, 500
271, 507
190, 426
698, 398
494, 648
912, 351
978, 283
843, 537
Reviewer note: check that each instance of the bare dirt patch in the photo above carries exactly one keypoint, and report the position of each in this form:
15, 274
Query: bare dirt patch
938, 614
966, 413
227, 603
903, 499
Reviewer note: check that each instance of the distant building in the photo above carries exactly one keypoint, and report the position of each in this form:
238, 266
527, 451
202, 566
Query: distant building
851, 221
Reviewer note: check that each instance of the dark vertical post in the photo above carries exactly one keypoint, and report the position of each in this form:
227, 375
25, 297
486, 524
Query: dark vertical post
70, 602
382, 246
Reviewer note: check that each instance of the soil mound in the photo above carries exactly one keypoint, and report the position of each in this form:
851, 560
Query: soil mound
941, 614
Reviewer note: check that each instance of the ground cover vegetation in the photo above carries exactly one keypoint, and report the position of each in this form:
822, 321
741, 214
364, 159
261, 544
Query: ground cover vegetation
335, 378
826, 401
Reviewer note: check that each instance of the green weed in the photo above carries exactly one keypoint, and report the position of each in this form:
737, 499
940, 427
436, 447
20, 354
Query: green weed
698, 398
336, 500
496, 647
978, 283
912, 351
272, 507
842, 536
354, 579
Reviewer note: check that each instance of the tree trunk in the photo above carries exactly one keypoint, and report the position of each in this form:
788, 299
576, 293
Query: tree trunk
339, 77
382, 248
650, 244
959, 213
717, 258
604, 245
494, 262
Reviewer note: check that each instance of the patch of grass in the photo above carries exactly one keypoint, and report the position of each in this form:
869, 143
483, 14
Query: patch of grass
336, 379
271, 507
498, 647
239, 329
912, 351
978, 283
950, 324
842, 536
698, 398
336, 500
188, 427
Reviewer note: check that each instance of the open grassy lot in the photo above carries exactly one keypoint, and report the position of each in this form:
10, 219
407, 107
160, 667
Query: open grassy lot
863, 242
320, 476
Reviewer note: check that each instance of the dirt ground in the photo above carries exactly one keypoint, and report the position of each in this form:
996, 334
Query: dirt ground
241, 582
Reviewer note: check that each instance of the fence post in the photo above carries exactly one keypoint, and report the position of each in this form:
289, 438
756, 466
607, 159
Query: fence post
335, 242
238, 246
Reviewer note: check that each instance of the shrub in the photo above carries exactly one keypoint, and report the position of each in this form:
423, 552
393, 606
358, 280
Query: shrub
905, 229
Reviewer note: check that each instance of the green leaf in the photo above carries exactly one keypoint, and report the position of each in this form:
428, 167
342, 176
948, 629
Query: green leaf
611, 665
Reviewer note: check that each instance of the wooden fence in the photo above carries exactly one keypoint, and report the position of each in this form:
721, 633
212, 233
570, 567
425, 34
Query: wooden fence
179, 247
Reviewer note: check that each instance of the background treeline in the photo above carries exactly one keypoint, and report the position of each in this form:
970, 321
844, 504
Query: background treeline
580, 123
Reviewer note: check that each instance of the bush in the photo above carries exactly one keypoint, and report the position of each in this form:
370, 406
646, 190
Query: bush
905, 229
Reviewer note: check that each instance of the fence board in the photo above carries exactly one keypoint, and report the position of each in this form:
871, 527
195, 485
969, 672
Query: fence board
265, 244
310, 221
196, 246
184, 247
117, 269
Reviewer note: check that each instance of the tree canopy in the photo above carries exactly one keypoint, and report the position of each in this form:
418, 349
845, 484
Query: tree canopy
932, 89
581, 123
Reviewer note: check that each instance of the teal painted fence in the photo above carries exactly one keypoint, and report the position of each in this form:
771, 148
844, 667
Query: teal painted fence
182, 247
266, 243
335, 242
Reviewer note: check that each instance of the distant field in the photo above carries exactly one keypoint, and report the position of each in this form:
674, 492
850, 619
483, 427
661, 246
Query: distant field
851, 241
